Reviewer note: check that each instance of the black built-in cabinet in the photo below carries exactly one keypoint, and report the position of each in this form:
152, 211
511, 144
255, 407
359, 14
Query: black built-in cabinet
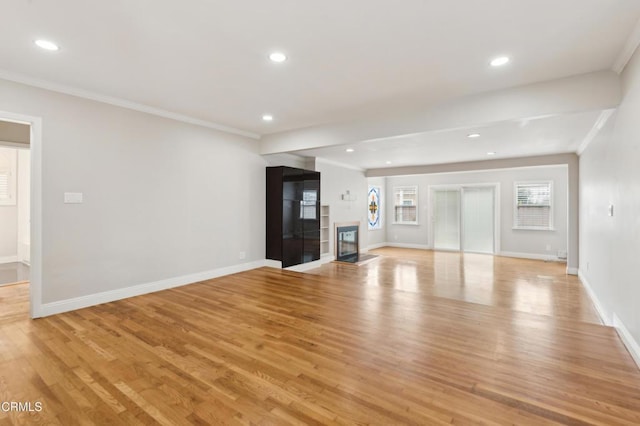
293, 215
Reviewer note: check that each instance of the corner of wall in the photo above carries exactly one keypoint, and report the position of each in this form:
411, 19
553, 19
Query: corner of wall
602, 312
612, 320
627, 338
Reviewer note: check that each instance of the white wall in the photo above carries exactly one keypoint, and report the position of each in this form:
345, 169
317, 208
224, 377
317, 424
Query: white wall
24, 206
512, 241
335, 181
609, 246
8, 213
378, 237
162, 198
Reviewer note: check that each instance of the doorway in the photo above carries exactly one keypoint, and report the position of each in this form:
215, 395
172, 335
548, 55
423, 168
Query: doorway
26, 144
464, 218
15, 173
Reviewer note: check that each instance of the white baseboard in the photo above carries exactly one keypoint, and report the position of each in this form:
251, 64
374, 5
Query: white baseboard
627, 339
534, 256
406, 245
572, 271
377, 245
604, 315
8, 259
310, 265
60, 306
273, 263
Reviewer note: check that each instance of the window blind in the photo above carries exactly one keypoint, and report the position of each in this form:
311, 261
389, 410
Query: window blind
4, 185
533, 205
406, 204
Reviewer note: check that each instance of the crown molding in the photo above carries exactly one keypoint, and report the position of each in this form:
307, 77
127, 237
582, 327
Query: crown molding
119, 102
597, 126
627, 51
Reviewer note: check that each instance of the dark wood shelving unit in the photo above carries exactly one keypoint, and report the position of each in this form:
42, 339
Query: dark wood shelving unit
293, 215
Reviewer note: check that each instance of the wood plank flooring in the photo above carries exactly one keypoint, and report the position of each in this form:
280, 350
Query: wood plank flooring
519, 284
411, 338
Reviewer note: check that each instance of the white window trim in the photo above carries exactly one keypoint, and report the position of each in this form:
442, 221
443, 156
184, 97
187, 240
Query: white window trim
397, 188
551, 226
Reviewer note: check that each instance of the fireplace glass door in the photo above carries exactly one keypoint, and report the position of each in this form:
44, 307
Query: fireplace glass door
347, 243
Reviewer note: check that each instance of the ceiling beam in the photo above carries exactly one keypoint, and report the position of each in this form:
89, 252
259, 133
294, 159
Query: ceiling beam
586, 92
481, 165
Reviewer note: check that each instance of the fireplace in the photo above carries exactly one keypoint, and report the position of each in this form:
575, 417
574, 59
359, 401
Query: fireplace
347, 247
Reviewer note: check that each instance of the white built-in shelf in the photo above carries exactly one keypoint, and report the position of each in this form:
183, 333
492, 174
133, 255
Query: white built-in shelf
324, 229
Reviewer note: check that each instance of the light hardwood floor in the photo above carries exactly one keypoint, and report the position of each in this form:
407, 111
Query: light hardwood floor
414, 337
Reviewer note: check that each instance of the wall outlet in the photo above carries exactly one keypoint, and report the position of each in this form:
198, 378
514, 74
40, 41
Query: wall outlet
395, 238
548, 247
242, 255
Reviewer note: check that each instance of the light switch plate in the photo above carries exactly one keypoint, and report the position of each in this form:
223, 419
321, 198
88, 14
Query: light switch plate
73, 197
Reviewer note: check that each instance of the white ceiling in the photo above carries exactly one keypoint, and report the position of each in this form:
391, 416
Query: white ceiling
508, 139
348, 60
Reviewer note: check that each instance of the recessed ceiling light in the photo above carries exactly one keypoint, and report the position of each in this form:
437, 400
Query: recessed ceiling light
267, 117
388, 162
278, 57
500, 61
491, 153
46, 45
473, 135
349, 149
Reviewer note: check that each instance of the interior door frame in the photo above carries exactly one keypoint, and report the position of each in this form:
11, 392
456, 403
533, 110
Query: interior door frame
18, 147
460, 187
35, 148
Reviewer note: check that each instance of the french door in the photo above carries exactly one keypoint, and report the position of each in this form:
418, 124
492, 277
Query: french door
464, 219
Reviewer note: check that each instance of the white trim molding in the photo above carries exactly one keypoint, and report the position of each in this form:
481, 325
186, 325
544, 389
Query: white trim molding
119, 102
572, 271
375, 246
597, 126
627, 51
273, 263
534, 256
627, 339
311, 265
604, 315
67, 305
407, 245
35, 258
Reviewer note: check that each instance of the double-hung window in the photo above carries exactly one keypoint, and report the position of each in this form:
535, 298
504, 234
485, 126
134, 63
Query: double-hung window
533, 205
405, 205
